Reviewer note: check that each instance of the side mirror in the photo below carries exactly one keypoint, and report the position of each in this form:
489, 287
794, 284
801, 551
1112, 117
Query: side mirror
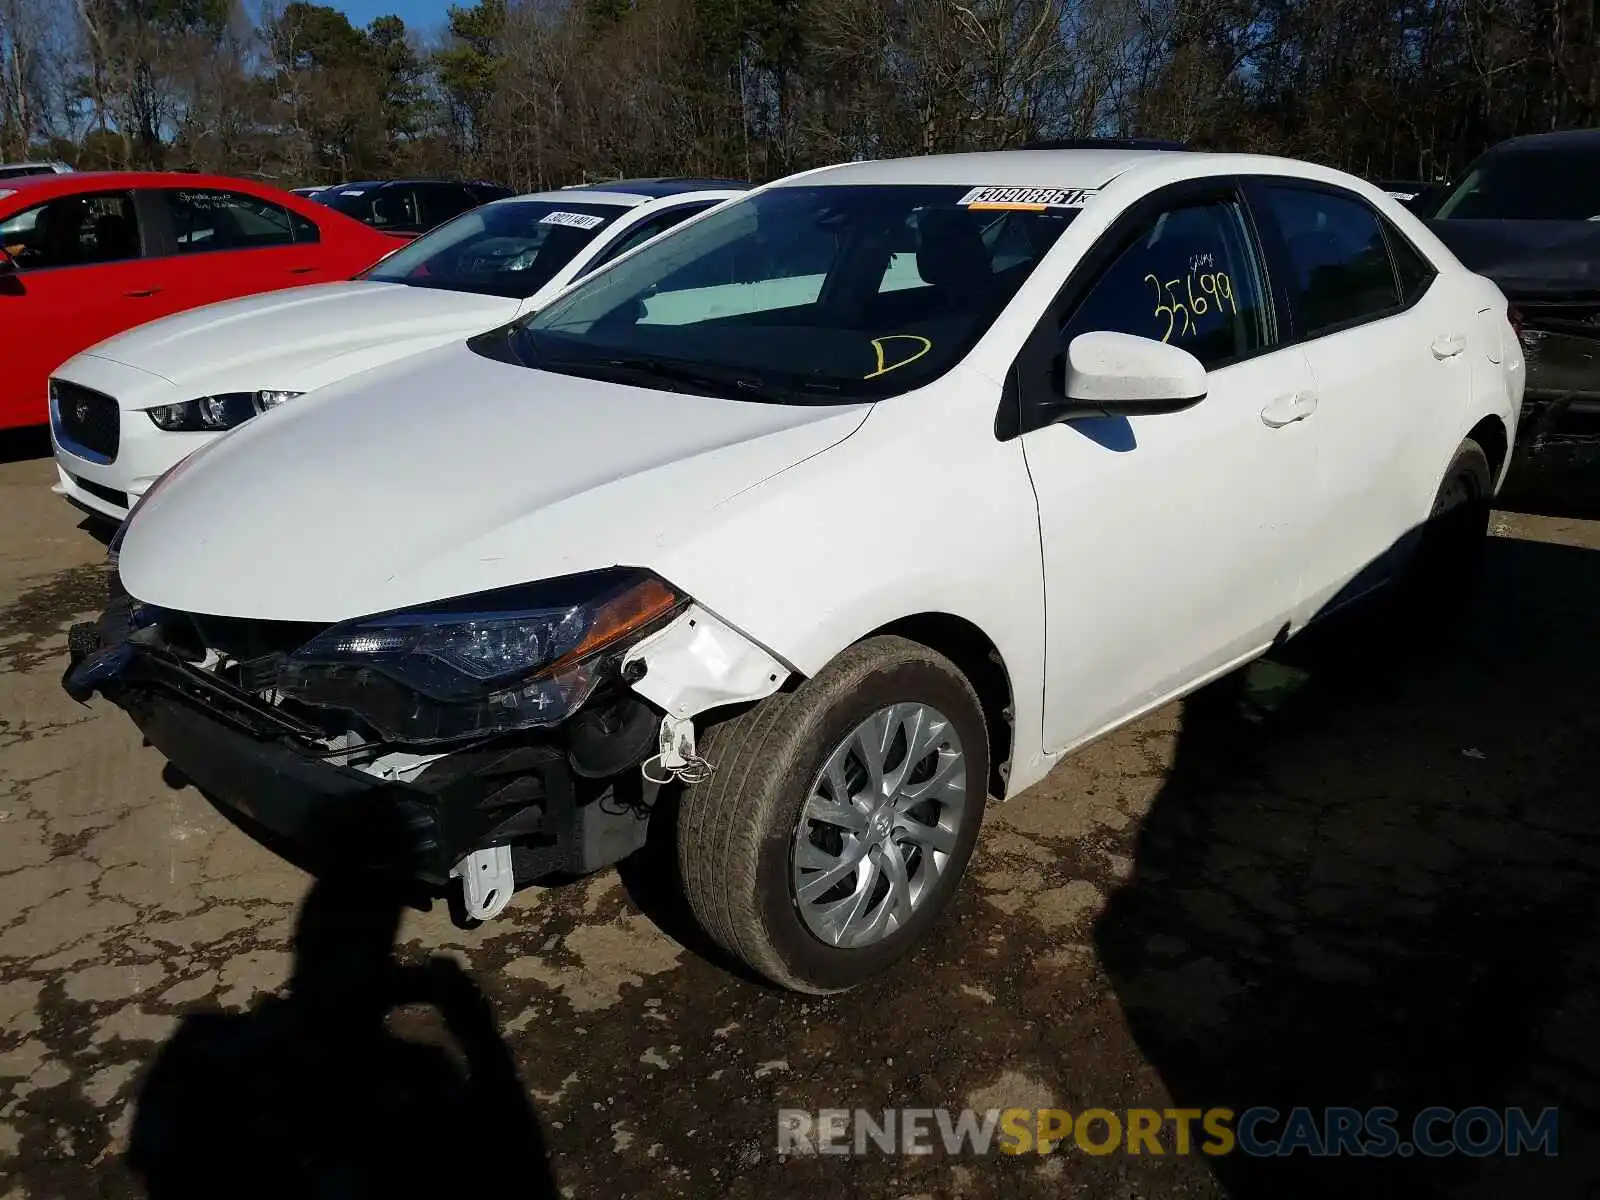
1105, 374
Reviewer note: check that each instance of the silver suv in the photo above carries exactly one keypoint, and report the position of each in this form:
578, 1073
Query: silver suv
15, 170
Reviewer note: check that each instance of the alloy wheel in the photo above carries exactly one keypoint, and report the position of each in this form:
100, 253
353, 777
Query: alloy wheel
880, 821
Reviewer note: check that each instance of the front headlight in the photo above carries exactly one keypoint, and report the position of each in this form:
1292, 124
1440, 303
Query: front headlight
225, 410
517, 658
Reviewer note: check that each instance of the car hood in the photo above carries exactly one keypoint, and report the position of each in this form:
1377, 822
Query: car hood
1531, 260
445, 475
297, 329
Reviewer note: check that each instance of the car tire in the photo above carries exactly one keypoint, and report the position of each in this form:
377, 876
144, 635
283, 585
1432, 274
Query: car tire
761, 839
1450, 548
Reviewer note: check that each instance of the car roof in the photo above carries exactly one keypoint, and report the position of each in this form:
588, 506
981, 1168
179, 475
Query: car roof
1561, 139
1006, 168
594, 194
93, 181
375, 184
659, 186
1106, 143
1087, 169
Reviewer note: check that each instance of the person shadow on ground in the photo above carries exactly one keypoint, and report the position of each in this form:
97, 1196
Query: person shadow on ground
313, 1093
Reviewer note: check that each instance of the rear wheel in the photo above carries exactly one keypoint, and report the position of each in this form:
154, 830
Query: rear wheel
840, 817
1451, 548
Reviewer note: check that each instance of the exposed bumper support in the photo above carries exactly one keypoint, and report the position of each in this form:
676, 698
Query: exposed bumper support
515, 800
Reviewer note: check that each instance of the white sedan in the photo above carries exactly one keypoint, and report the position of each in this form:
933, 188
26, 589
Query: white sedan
844, 509
124, 411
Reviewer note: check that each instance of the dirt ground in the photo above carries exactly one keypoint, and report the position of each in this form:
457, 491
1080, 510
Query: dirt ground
1381, 891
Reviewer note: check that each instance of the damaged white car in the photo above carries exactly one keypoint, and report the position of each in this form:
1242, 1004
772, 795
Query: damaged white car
847, 507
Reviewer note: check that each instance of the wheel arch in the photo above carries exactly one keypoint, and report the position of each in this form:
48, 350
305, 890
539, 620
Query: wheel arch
979, 659
1491, 434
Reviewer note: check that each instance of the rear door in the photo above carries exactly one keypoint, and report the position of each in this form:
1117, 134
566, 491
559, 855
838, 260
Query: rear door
1388, 359
220, 244
83, 274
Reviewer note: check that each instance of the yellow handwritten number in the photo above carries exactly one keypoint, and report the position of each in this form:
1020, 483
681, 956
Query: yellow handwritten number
1215, 287
877, 348
1188, 321
1160, 307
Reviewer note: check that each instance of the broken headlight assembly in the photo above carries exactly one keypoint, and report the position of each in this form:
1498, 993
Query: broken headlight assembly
515, 658
212, 414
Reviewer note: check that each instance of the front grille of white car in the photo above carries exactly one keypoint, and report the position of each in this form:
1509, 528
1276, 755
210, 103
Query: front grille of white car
88, 423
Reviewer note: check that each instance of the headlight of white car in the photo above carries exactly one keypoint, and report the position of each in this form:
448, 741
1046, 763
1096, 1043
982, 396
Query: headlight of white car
518, 658
216, 413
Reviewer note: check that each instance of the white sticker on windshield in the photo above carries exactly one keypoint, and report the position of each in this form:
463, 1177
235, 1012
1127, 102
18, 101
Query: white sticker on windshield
575, 220
1028, 199
354, 192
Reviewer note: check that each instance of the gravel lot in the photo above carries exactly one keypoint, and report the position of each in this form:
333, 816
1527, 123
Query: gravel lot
1382, 891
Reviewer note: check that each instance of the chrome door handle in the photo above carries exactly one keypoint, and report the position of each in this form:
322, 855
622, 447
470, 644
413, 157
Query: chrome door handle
1448, 345
1286, 410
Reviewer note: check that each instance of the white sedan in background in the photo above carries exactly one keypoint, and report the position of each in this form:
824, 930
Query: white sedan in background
157, 393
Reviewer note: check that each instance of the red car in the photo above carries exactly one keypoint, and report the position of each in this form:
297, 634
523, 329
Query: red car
90, 254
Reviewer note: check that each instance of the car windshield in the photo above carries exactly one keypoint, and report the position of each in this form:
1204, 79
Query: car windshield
511, 248
804, 294
1529, 185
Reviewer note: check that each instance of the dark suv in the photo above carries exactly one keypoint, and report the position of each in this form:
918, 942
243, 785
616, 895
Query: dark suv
1527, 215
407, 207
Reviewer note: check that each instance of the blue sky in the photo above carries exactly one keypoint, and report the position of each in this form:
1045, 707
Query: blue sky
425, 15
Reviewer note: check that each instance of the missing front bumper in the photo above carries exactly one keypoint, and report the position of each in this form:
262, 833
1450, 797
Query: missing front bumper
259, 766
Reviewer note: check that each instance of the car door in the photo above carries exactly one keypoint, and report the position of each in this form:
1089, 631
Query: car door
221, 244
1172, 544
1387, 359
82, 275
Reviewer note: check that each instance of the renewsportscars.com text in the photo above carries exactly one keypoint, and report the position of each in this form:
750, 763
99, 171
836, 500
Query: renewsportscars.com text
1259, 1132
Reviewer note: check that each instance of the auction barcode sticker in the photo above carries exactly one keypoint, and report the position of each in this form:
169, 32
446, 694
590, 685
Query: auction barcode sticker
1031, 199
576, 220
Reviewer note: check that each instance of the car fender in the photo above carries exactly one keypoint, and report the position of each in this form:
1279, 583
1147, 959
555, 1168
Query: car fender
814, 559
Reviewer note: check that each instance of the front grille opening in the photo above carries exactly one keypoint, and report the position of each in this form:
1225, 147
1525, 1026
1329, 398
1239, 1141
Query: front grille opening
245, 639
86, 419
109, 495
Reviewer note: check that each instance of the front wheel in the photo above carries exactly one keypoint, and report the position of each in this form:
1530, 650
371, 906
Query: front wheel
840, 817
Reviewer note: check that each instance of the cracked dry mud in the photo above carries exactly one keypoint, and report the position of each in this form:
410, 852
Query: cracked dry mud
1381, 891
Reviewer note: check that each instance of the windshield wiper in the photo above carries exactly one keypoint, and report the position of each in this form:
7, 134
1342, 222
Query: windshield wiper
730, 385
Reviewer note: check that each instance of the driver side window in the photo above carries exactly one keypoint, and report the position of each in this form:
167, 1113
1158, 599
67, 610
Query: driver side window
1190, 276
73, 231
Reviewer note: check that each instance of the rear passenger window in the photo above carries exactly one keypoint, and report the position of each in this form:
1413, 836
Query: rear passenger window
1339, 267
207, 220
441, 201
1414, 271
396, 208
1189, 277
